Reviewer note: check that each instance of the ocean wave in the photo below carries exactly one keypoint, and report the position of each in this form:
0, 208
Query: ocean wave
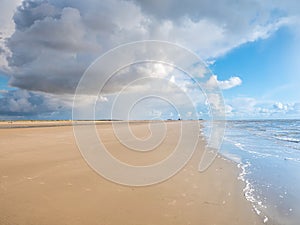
246, 148
288, 139
264, 148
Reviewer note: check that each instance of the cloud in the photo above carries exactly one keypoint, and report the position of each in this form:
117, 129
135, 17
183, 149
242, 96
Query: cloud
232, 82
243, 104
54, 42
226, 84
7, 10
251, 108
7, 27
280, 106
25, 104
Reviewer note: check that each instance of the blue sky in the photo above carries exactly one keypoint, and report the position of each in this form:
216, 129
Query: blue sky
263, 65
268, 70
46, 46
3, 82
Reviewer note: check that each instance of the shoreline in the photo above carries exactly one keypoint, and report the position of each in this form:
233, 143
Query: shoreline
247, 188
44, 178
269, 166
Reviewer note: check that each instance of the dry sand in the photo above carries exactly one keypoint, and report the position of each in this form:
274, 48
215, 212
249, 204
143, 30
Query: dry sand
44, 180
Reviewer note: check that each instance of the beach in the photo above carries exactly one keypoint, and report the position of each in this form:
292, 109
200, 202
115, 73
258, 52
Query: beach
45, 180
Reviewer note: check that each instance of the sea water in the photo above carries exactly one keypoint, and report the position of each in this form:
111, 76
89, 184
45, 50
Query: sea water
268, 155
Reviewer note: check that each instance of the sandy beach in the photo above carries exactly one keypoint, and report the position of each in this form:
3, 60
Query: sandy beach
44, 181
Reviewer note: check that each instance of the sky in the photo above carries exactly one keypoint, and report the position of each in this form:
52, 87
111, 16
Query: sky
251, 48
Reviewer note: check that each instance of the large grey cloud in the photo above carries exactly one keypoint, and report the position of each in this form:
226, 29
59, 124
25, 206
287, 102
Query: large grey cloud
55, 41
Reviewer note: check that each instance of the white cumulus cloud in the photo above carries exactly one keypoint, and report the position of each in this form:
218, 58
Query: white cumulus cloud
225, 84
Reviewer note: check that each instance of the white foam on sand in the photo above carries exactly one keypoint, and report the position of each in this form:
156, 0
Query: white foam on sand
249, 191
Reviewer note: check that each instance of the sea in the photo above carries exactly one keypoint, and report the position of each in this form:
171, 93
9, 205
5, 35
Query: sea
267, 153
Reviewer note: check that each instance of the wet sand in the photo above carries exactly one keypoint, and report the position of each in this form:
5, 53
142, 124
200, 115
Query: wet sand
44, 180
